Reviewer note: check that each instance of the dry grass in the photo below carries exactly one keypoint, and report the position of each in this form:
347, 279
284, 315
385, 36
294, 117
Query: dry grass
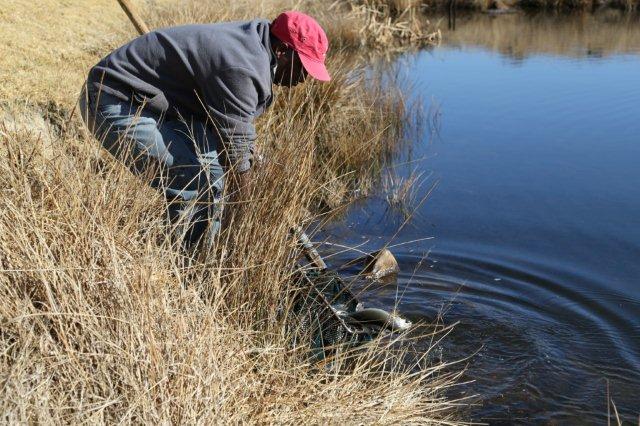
349, 23
385, 23
103, 320
358, 125
46, 46
402, 193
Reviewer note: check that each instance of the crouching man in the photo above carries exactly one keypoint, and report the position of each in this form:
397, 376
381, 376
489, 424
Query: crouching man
179, 103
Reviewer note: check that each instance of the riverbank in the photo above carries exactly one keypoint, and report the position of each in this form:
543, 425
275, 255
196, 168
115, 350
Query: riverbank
103, 319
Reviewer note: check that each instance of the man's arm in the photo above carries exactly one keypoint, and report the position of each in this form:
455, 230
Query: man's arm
232, 100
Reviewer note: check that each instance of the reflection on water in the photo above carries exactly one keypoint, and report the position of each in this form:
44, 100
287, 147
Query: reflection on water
519, 35
536, 218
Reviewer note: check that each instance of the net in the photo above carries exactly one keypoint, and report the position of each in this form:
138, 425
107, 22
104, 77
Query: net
322, 305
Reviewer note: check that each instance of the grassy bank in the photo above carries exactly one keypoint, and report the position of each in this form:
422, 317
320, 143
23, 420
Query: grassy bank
103, 320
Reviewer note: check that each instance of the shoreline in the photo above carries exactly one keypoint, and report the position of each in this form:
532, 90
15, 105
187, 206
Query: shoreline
105, 319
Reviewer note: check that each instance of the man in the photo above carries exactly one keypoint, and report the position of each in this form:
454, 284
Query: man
179, 103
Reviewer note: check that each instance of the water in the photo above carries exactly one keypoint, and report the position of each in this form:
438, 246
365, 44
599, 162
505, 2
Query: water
533, 138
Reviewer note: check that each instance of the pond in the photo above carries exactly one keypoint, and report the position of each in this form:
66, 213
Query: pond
530, 141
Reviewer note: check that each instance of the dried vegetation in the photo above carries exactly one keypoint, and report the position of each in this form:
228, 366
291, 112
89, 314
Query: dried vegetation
104, 320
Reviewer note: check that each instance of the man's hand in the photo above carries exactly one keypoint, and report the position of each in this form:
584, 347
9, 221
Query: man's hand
237, 186
258, 157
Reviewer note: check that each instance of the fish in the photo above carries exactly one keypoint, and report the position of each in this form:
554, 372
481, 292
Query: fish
380, 264
380, 318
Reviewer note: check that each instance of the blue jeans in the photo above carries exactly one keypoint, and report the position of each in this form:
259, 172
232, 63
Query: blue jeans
180, 157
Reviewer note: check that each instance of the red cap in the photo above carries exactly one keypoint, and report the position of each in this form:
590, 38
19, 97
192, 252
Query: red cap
304, 35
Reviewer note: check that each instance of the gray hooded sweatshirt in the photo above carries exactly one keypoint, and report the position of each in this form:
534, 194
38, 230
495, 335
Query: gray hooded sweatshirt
216, 73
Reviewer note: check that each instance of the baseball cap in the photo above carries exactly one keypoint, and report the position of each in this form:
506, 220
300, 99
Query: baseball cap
303, 34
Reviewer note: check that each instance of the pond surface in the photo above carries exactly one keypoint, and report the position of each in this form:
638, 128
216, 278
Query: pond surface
531, 132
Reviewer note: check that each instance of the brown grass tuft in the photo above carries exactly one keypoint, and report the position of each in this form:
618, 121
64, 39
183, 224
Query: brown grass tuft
104, 320
386, 24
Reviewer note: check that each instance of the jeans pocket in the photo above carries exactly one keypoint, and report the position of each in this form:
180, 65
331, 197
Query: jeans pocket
157, 103
107, 106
